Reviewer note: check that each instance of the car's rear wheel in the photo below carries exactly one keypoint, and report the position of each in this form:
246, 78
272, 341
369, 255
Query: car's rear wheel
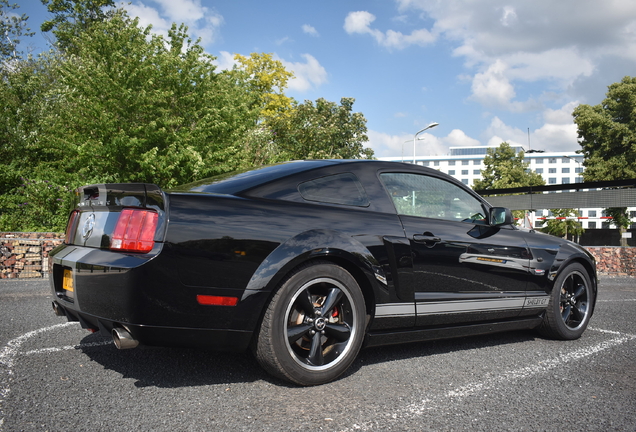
314, 326
570, 305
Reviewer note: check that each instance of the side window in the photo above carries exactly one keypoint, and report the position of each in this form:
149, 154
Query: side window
343, 189
431, 197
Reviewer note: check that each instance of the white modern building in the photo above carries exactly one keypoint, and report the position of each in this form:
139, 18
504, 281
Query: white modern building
466, 164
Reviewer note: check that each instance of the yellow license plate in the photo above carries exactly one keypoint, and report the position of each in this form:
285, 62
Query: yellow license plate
67, 281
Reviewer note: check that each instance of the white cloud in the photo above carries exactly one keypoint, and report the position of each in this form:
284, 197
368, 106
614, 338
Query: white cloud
562, 43
225, 61
202, 21
308, 75
360, 22
385, 145
310, 30
492, 87
558, 132
457, 138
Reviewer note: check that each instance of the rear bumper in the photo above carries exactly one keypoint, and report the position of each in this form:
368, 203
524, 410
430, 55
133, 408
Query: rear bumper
217, 339
143, 293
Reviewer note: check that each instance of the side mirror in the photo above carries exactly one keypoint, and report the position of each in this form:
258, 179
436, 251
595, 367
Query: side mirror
501, 216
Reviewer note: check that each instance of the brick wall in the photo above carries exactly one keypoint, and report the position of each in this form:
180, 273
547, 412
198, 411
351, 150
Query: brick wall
614, 261
25, 255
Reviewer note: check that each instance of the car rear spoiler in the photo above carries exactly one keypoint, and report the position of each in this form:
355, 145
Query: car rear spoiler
143, 195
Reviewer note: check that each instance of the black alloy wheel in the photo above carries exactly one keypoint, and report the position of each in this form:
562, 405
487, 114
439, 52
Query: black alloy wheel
313, 328
570, 306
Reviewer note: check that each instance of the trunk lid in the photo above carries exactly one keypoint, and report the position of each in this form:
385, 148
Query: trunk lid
129, 217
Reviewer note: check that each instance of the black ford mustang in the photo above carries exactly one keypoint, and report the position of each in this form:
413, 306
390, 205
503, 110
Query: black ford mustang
305, 262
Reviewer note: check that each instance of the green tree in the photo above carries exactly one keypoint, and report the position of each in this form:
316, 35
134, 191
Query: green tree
607, 135
73, 17
12, 28
268, 79
139, 107
505, 169
561, 226
322, 130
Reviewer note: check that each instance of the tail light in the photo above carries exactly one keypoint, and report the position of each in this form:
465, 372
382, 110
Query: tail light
71, 227
135, 231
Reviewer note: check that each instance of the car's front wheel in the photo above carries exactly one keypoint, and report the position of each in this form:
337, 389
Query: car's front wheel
570, 305
314, 326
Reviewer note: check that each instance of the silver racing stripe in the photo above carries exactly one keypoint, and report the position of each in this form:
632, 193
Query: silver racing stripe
394, 310
459, 306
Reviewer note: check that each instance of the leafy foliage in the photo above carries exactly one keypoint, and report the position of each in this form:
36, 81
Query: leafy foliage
268, 79
12, 28
114, 102
563, 227
143, 109
607, 135
322, 130
505, 169
73, 17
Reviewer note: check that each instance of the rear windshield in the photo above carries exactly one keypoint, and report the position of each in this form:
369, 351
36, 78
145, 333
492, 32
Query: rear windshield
238, 181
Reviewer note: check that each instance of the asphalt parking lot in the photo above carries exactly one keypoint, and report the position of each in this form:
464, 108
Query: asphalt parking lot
54, 376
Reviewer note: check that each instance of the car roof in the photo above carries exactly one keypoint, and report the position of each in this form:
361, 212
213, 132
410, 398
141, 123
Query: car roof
233, 183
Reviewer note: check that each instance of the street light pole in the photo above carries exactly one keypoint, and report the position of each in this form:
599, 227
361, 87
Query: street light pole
408, 141
432, 125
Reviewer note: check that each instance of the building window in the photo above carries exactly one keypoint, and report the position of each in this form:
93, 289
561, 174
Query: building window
591, 225
476, 162
465, 181
552, 180
451, 172
464, 172
425, 163
539, 213
436, 163
578, 170
551, 160
565, 180
476, 172
605, 225
579, 180
552, 170
465, 162
632, 214
451, 163
565, 160
565, 170
539, 170
591, 213
538, 161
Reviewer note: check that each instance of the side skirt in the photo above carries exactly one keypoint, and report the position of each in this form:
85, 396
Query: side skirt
419, 335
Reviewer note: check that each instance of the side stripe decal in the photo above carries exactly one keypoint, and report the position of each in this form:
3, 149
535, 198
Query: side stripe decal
459, 306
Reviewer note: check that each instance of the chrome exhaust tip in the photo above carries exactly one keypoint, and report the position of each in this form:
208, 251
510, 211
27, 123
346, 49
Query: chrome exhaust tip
123, 339
58, 310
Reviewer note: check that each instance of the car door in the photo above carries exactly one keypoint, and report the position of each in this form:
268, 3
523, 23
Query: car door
464, 269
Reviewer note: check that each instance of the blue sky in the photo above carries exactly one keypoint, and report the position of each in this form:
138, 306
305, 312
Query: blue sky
487, 71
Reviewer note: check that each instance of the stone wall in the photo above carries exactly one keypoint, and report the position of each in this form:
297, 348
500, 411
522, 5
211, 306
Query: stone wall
614, 261
25, 255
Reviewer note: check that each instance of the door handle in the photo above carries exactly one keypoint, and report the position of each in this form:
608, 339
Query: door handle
427, 237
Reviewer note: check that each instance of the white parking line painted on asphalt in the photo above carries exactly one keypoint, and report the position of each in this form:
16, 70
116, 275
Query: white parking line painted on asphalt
507, 377
7, 359
67, 347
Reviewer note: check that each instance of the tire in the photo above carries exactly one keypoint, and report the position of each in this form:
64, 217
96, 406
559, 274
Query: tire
570, 306
313, 327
